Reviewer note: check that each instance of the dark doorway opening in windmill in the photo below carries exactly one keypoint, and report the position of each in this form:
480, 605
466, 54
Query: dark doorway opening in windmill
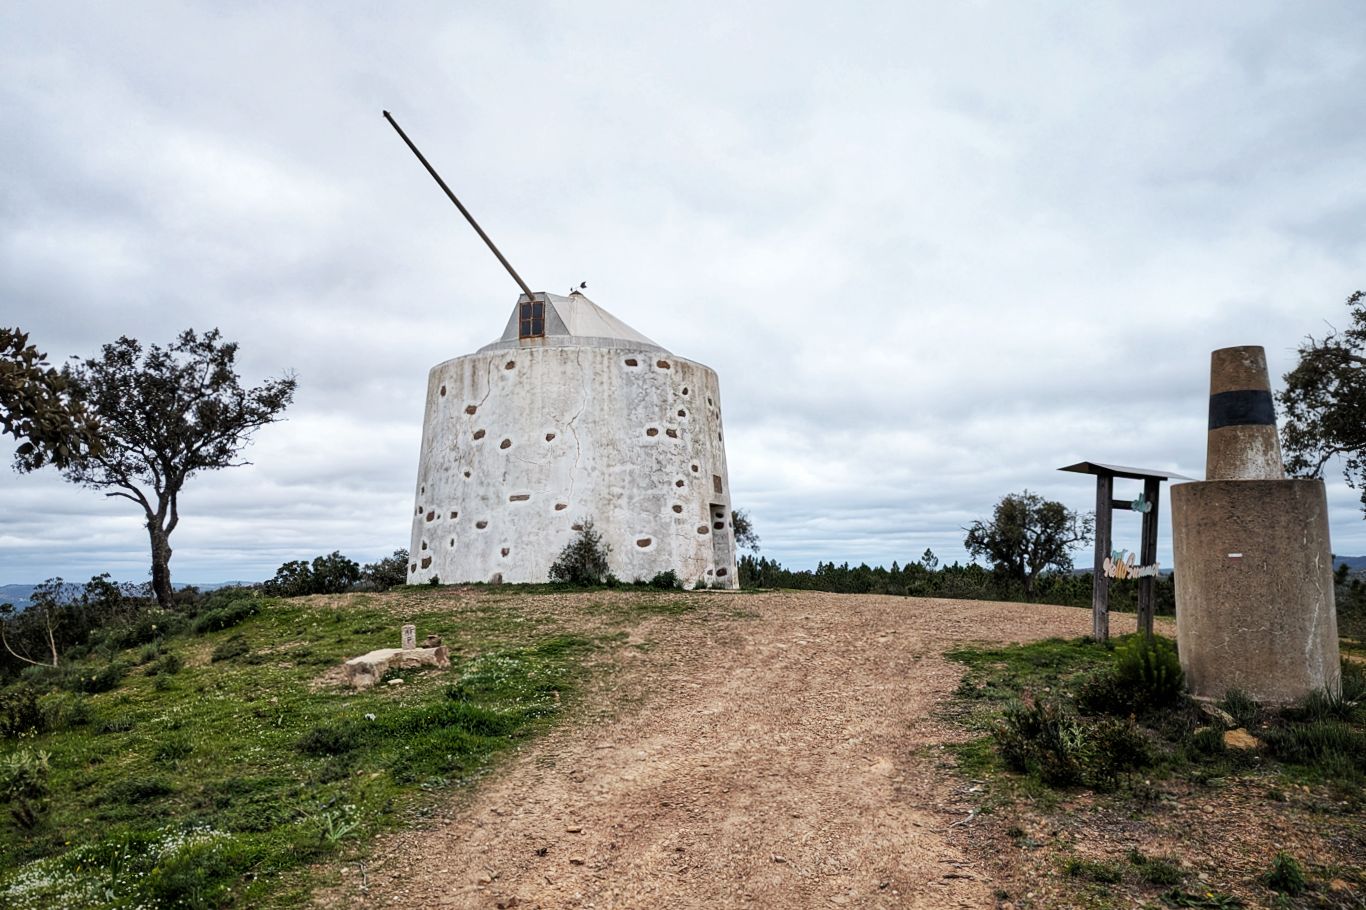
722, 541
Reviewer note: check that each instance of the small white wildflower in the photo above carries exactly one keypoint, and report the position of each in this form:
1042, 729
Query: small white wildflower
369, 717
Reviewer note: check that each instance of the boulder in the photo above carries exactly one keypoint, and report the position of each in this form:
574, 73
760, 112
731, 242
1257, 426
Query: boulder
364, 671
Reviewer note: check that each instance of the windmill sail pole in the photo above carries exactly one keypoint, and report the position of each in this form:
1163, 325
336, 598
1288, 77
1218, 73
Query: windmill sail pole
464, 211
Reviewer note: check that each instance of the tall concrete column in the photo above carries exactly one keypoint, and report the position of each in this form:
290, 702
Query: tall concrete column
1254, 572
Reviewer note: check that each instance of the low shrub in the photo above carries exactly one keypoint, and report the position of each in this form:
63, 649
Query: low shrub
1204, 744
1154, 870
225, 617
666, 581
1102, 693
1042, 737
1149, 668
1093, 870
24, 782
94, 681
115, 723
1331, 746
1243, 708
19, 712
1286, 875
64, 710
583, 561
173, 749
328, 740
138, 789
230, 649
168, 665
1116, 746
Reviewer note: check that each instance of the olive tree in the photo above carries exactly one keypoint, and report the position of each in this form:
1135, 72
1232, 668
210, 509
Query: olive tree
166, 414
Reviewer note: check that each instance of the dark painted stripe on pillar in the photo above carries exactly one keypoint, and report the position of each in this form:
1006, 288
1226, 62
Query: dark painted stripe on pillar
1242, 407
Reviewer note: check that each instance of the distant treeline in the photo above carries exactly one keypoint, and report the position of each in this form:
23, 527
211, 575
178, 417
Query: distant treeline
973, 582
928, 579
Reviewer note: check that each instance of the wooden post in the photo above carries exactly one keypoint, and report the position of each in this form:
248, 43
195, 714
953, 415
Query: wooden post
1148, 555
1100, 585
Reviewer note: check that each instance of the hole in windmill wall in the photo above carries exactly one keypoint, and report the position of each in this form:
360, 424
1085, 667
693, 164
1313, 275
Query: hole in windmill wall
644, 542
682, 413
478, 434
505, 444
549, 437
467, 474
632, 362
561, 506
431, 516
703, 529
412, 567
455, 514
694, 469
720, 438
678, 509
662, 364
426, 561
443, 391
418, 511
424, 544
709, 399
424, 490
519, 497
576, 527
716, 483
452, 541
718, 525
720, 572
652, 431
510, 365
671, 433
685, 390
723, 552
481, 525
506, 551
711, 571
678, 483
471, 408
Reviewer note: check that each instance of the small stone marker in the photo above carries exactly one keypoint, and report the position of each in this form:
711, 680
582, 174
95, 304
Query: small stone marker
409, 637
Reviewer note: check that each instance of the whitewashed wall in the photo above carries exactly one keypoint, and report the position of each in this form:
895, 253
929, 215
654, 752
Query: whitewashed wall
521, 444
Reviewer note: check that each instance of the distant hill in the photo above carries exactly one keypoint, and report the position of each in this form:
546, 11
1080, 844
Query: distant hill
1354, 563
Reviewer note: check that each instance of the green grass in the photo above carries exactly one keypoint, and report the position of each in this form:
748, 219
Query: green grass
215, 776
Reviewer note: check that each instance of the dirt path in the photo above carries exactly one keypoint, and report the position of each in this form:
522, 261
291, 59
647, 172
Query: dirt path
791, 759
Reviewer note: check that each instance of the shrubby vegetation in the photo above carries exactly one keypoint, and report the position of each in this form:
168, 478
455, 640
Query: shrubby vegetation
583, 561
1081, 713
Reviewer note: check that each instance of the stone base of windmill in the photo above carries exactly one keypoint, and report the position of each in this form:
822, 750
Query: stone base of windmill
1254, 589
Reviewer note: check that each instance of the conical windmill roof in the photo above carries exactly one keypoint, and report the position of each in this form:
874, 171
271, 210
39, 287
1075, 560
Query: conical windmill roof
573, 320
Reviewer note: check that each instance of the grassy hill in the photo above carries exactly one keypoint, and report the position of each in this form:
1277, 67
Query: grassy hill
210, 764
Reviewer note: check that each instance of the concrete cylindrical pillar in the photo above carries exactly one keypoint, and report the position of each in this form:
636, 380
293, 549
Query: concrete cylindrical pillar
1254, 588
1242, 418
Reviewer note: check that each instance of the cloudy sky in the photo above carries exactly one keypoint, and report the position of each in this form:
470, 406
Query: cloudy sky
934, 251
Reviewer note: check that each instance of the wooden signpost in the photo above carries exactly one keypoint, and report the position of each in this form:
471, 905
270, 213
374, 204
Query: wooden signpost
1108, 563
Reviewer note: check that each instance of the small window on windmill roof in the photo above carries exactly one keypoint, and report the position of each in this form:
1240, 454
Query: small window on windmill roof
531, 320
